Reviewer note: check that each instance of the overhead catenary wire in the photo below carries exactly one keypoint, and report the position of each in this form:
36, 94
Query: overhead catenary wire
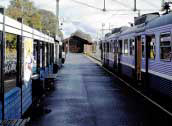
105, 9
85, 4
122, 4
135, 8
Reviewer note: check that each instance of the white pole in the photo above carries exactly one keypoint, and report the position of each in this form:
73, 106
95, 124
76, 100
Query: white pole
57, 15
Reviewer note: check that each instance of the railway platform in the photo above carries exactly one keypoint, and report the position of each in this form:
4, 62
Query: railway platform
86, 95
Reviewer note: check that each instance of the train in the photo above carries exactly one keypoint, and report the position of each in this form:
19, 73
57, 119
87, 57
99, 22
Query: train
29, 58
142, 52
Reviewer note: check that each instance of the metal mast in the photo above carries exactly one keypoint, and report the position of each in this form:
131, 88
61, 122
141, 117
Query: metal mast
57, 15
135, 5
104, 9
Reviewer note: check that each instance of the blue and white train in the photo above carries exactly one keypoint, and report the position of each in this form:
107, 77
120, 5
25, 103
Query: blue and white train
143, 52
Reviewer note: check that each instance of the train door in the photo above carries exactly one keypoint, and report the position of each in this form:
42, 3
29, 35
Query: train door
138, 57
150, 53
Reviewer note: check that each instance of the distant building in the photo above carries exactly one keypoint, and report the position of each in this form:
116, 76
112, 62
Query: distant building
77, 42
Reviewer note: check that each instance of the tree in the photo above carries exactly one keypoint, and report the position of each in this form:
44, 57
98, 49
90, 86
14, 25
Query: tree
49, 21
40, 19
26, 10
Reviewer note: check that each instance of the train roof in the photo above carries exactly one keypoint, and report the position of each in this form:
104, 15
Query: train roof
154, 21
160, 21
145, 18
116, 32
140, 23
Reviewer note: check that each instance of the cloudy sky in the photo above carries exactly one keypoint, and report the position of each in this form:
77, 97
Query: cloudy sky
86, 15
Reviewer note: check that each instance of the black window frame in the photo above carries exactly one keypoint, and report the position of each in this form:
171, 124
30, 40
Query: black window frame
132, 47
7, 74
165, 46
153, 36
126, 53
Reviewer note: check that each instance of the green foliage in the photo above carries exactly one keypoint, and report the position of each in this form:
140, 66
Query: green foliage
39, 19
11, 41
49, 21
26, 10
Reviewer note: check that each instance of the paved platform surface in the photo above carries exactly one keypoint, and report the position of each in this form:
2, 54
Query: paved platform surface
85, 95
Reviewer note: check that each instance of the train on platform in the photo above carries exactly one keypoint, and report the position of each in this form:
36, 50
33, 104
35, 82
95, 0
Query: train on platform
29, 61
142, 52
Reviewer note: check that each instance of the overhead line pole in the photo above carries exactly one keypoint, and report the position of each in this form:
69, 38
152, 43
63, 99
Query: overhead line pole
104, 9
135, 5
57, 15
135, 8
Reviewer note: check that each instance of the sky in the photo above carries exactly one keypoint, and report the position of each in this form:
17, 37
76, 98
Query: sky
76, 16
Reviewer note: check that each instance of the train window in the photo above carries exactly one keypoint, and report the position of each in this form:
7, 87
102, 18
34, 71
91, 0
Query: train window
47, 55
51, 54
115, 46
165, 46
126, 46
41, 50
152, 46
10, 61
107, 47
120, 44
34, 67
143, 47
132, 44
110, 47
